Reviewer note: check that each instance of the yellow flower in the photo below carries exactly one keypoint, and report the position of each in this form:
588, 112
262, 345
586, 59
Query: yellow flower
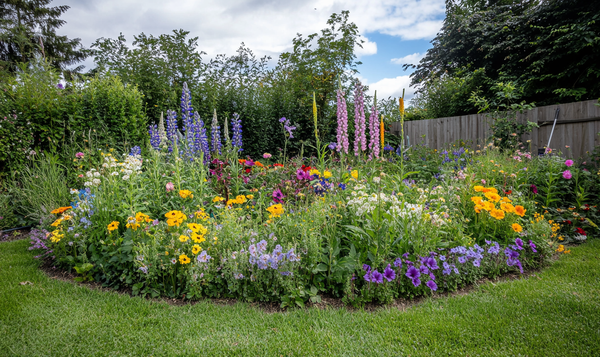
140, 217
492, 196
167, 252
57, 222
276, 210
241, 199
507, 207
326, 174
478, 208
506, 199
197, 238
476, 200
250, 197
183, 239
520, 211
183, 259
218, 199
194, 227
185, 194
314, 172
196, 249
478, 188
175, 218
496, 213
354, 174
517, 227
201, 214
132, 223
488, 206
56, 236
561, 248
112, 226
489, 189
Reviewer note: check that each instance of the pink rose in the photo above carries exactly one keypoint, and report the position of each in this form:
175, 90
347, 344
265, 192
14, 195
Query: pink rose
569, 163
567, 174
170, 187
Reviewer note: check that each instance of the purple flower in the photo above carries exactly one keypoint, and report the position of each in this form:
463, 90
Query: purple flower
283, 119
533, 189
377, 277
278, 196
398, 263
431, 263
405, 255
462, 260
60, 86
368, 276
432, 285
366, 267
442, 257
511, 254
519, 243
476, 262
389, 273
532, 246
144, 270
567, 175
302, 175
342, 186
416, 282
413, 273
332, 146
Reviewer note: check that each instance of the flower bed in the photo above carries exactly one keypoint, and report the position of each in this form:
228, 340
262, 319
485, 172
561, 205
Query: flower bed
194, 220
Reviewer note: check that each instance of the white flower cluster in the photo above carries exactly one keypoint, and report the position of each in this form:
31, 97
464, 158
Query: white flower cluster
93, 178
132, 164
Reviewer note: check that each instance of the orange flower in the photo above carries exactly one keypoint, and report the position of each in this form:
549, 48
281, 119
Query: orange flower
259, 164
488, 206
476, 200
61, 210
517, 227
507, 207
520, 210
492, 196
479, 188
496, 213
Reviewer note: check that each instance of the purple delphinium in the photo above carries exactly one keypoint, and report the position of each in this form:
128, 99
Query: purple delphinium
342, 117
154, 137
360, 137
389, 273
172, 129
215, 135
432, 285
236, 124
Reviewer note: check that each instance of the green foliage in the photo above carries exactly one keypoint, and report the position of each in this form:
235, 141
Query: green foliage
28, 30
503, 110
43, 117
549, 46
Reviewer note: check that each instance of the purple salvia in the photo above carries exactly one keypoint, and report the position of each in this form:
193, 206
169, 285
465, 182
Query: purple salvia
360, 139
342, 129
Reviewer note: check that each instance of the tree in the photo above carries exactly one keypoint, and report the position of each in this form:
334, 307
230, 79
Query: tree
551, 47
28, 29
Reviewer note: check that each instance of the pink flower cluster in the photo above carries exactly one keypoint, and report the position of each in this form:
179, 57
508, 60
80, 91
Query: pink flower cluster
360, 138
342, 129
374, 133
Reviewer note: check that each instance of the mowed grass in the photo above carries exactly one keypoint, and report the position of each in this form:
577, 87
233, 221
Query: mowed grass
554, 313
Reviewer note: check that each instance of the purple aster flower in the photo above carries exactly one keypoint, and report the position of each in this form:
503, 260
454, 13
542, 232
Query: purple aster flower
532, 246
377, 277
389, 273
432, 285
398, 263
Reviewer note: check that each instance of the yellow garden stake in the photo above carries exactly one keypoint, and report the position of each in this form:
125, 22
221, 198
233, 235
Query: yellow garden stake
382, 131
315, 117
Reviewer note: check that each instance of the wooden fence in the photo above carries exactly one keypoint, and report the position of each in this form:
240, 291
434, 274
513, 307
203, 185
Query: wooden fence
578, 126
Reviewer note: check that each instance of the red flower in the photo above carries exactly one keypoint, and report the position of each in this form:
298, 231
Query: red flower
581, 231
568, 222
248, 170
280, 165
508, 192
306, 168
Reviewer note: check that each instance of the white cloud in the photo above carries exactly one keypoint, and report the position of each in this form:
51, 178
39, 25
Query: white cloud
409, 59
368, 48
392, 87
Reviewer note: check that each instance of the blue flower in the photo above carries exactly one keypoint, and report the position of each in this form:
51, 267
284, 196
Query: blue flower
389, 273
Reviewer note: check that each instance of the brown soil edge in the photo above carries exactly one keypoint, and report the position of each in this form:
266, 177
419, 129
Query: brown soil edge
327, 302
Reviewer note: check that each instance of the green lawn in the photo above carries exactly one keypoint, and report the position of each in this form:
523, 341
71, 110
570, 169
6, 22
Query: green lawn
556, 313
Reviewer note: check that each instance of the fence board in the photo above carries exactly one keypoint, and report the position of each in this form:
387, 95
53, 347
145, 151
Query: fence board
581, 137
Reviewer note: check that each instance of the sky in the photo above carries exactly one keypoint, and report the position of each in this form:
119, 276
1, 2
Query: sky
394, 31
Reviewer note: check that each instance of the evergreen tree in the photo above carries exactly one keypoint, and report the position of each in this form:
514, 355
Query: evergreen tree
28, 29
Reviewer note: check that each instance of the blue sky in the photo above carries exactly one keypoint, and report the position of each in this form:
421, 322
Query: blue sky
395, 31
